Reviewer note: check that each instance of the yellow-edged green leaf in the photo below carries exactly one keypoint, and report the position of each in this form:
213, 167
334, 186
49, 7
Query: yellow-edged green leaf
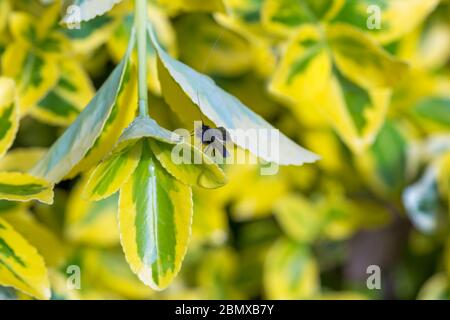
34, 74
92, 223
155, 214
92, 34
146, 127
96, 129
72, 93
362, 60
397, 17
384, 164
195, 167
88, 9
9, 114
305, 67
16, 186
190, 85
284, 17
356, 114
21, 266
290, 272
112, 173
45, 241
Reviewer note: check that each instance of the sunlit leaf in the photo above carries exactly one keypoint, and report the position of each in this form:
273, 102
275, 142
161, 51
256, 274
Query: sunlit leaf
191, 84
155, 215
21, 266
94, 132
16, 186
112, 173
9, 114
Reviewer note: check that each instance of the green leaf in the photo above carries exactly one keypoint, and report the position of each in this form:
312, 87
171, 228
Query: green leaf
85, 10
112, 173
397, 17
155, 214
362, 60
195, 168
290, 272
434, 109
146, 127
21, 266
82, 136
23, 187
224, 110
9, 114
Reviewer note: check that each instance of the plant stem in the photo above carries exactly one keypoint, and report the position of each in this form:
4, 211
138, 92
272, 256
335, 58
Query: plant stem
140, 17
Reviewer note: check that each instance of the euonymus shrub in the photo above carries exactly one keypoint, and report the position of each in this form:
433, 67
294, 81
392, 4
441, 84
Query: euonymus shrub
372, 102
155, 202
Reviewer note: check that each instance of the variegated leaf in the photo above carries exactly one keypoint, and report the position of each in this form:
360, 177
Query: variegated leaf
34, 74
186, 86
9, 114
155, 214
21, 266
22, 187
192, 167
96, 129
72, 93
386, 20
112, 173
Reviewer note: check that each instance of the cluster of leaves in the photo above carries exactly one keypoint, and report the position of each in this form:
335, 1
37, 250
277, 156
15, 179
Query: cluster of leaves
374, 104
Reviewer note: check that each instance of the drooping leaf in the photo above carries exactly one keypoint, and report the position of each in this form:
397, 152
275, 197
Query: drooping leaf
192, 85
112, 173
155, 214
9, 114
146, 127
191, 165
94, 132
85, 10
21, 266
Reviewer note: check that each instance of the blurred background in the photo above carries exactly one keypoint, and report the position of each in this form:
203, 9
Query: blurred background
363, 83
